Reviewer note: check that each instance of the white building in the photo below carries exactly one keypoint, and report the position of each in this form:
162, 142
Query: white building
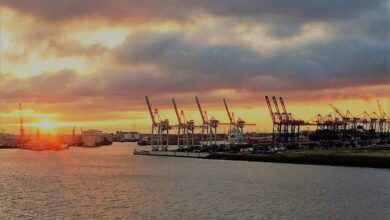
92, 138
127, 136
131, 136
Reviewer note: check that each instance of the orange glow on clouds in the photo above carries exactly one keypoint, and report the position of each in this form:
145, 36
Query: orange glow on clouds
95, 92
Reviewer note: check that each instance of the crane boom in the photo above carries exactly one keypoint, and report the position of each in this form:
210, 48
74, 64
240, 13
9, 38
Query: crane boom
277, 108
183, 118
270, 109
200, 110
381, 112
150, 109
338, 111
228, 112
284, 108
176, 111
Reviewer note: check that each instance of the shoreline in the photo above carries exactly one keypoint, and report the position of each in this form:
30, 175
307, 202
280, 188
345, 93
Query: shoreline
344, 157
330, 160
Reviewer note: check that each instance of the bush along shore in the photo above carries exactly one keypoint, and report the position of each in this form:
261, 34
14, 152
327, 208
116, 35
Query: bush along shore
376, 158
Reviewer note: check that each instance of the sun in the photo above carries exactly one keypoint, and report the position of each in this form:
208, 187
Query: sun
46, 124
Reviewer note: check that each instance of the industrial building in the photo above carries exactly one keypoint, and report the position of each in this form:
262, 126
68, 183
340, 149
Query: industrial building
91, 138
124, 136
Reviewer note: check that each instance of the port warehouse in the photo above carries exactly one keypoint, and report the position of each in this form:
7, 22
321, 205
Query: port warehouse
92, 138
335, 129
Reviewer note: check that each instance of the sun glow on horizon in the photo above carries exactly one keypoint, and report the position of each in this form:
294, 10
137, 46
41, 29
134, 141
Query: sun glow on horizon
46, 124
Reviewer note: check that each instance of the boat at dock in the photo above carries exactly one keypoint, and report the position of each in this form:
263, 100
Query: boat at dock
172, 153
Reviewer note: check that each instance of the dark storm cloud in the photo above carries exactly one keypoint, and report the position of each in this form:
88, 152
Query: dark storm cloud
286, 16
185, 66
335, 63
120, 91
302, 10
283, 18
371, 25
65, 10
67, 86
173, 54
356, 55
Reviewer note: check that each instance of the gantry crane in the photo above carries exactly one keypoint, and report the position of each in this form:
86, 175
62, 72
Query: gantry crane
354, 120
345, 121
185, 129
280, 119
285, 114
209, 127
293, 124
368, 123
326, 127
383, 123
236, 127
285, 125
275, 119
160, 128
344, 117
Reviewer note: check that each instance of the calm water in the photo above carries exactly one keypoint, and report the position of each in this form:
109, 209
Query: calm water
109, 182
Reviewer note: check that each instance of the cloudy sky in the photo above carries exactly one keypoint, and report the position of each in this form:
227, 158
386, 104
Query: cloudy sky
90, 63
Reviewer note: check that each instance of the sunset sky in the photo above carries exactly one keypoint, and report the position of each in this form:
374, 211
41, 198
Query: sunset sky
90, 63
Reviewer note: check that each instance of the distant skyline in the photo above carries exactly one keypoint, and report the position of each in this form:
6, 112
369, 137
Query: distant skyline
90, 63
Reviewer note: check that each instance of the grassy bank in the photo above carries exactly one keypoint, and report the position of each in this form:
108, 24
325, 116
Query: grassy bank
377, 158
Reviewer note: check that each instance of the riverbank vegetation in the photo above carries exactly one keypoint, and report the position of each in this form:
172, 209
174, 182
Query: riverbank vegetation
374, 157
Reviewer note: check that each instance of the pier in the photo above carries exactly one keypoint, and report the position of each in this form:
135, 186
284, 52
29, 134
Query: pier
173, 154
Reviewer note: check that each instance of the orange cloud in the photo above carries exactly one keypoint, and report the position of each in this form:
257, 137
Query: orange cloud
92, 62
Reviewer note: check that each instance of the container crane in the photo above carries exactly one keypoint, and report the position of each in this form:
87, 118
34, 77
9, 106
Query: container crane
275, 122
270, 109
345, 120
160, 128
383, 120
285, 118
364, 121
374, 117
367, 122
340, 113
232, 123
231, 119
286, 115
277, 109
236, 127
282, 123
291, 123
203, 114
354, 120
209, 127
185, 129
178, 116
